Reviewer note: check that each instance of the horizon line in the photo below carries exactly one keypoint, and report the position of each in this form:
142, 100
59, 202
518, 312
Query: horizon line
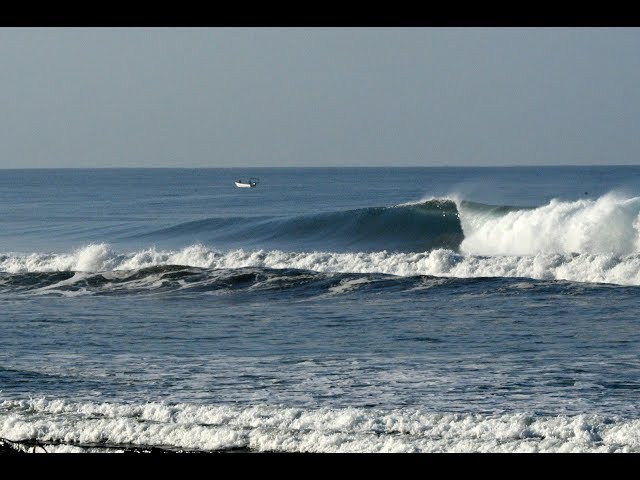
321, 166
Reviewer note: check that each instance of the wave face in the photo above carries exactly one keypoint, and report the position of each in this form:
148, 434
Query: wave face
405, 228
76, 427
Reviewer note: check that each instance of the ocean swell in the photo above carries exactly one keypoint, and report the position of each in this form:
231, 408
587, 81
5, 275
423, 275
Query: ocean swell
405, 228
581, 241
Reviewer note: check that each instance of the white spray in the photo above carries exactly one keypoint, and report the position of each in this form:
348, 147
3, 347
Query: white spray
608, 225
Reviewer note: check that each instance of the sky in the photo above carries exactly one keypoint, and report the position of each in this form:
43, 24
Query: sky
282, 97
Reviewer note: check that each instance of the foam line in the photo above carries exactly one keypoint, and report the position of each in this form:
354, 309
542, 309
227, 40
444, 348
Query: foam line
288, 429
600, 268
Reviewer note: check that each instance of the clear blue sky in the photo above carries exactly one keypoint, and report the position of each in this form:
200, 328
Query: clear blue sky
224, 97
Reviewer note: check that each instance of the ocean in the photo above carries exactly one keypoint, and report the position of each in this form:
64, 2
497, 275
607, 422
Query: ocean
326, 310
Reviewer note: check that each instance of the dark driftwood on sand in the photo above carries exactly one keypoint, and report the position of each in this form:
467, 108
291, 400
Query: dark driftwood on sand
11, 447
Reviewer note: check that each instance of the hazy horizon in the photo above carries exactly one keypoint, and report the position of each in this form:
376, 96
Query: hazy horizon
245, 167
318, 97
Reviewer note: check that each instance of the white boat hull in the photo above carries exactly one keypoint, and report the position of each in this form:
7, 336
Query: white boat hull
245, 185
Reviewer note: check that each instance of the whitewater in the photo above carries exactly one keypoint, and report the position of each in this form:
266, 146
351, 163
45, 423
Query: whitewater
327, 310
264, 428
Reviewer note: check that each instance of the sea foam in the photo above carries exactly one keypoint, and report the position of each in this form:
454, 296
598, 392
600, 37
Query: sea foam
288, 429
585, 267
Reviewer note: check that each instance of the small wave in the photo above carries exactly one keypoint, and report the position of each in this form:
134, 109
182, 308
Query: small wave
185, 279
98, 264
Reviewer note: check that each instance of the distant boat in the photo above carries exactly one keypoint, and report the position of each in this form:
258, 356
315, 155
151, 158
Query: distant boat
252, 182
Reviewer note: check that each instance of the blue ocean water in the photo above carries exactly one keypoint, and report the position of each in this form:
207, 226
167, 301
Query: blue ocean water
329, 309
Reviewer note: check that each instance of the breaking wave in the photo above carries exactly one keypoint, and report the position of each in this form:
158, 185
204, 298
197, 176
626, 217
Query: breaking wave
594, 241
97, 265
607, 225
